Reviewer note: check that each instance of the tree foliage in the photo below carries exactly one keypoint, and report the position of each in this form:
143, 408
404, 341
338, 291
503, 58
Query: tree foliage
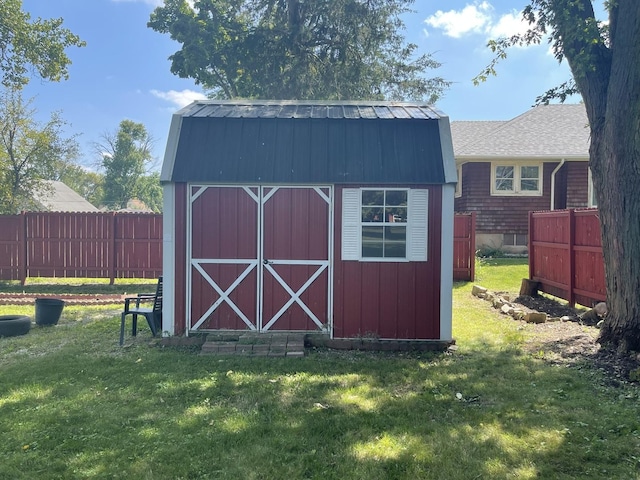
29, 152
87, 183
124, 155
297, 49
28, 46
604, 58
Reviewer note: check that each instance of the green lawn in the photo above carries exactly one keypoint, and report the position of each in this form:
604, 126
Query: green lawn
74, 405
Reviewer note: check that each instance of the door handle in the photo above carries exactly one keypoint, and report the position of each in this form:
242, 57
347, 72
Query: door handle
266, 261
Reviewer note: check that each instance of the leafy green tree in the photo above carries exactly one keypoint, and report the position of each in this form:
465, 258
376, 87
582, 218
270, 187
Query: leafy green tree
150, 191
124, 159
32, 46
604, 58
87, 183
29, 151
297, 49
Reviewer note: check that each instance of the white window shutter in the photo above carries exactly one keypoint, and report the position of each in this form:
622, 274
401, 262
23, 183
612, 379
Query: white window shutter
417, 225
351, 224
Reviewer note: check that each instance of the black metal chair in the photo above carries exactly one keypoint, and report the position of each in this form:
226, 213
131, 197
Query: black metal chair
153, 315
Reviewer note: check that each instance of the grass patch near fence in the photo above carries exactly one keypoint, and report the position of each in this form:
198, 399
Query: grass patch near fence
73, 404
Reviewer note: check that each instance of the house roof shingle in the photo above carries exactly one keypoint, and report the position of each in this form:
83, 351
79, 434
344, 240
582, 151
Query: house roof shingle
545, 131
58, 197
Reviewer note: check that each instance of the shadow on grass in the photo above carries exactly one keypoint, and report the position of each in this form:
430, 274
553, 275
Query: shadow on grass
93, 412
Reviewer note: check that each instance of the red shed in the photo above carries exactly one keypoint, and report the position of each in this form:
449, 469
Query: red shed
309, 216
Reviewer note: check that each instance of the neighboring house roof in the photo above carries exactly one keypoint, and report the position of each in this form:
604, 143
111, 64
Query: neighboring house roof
546, 131
58, 197
257, 142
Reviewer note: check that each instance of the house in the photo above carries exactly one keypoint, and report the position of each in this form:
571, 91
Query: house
536, 161
58, 197
331, 217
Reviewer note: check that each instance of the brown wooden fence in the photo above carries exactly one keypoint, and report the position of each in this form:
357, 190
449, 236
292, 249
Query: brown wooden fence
565, 255
125, 245
464, 246
91, 245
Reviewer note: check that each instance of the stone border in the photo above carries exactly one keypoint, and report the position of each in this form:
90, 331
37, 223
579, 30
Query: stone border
505, 304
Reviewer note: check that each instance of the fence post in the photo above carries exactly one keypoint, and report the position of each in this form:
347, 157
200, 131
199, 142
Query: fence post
472, 246
572, 262
22, 250
112, 247
530, 246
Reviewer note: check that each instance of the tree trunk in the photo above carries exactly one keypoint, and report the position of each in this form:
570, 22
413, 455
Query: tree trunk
615, 165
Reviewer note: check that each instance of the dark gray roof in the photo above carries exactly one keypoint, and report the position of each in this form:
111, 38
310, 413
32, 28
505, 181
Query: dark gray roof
308, 142
545, 131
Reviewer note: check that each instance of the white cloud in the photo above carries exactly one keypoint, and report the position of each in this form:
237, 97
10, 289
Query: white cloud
508, 25
456, 23
478, 18
181, 99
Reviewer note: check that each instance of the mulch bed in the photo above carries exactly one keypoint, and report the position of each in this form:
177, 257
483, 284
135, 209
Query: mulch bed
574, 342
70, 299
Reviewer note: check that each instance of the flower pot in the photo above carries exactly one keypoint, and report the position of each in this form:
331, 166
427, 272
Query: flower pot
48, 311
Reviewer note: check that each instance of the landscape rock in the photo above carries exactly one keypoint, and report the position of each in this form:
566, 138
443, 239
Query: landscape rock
478, 291
566, 318
507, 309
535, 317
601, 309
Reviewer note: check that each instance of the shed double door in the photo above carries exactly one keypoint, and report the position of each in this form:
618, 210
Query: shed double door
259, 258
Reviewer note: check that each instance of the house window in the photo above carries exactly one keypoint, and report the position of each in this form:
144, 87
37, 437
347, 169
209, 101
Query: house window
384, 224
516, 179
592, 193
459, 183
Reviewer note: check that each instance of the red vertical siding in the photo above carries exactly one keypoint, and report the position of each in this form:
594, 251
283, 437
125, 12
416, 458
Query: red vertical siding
389, 299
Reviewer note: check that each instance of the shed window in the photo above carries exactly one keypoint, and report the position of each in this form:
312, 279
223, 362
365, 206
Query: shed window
516, 179
384, 224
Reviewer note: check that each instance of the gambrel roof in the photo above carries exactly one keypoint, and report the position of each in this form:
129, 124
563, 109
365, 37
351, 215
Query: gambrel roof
546, 131
293, 142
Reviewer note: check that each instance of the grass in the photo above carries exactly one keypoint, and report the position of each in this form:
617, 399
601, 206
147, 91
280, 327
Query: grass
73, 404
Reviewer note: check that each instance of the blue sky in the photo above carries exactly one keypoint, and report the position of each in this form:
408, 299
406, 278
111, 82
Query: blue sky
123, 72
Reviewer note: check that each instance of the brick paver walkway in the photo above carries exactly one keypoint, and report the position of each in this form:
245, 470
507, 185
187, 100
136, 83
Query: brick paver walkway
258, 345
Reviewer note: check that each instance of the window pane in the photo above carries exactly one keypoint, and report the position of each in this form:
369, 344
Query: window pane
372, 214
529, 185
373, 197
505, 185
395, 214
396, 197
503, 171
529, 172
395, 242
372, 242
504, 178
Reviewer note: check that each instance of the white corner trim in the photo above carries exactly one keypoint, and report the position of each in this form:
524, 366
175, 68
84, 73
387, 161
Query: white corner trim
446, 266
446, 145
168, 259
171, 149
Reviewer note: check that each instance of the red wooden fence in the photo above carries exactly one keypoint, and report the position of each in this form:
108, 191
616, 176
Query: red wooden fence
126, 245
91, 245
464, 246
565, 255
